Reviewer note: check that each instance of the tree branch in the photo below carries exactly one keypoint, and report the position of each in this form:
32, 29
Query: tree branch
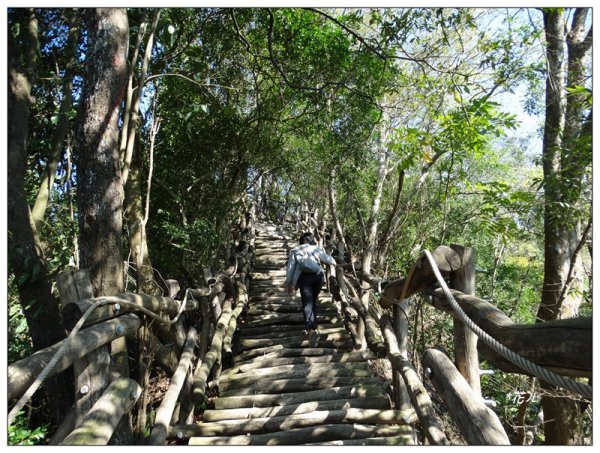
377, 52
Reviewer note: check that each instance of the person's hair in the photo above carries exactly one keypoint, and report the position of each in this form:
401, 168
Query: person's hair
307, 238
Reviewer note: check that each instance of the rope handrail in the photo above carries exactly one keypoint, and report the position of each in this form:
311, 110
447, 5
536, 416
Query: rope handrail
536, 370
63, 348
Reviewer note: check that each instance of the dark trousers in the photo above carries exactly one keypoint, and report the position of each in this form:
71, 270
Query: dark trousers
310, 286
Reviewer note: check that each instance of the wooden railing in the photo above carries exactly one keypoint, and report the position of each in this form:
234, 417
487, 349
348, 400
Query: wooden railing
104, 391
562, 347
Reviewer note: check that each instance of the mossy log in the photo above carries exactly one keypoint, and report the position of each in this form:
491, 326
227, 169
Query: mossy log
99, 424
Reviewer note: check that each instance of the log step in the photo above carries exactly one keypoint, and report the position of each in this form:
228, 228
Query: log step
296, 385
266, 333
293, 421
266, 345
266, 400
244, 413
278, 352
321, 433
291, 372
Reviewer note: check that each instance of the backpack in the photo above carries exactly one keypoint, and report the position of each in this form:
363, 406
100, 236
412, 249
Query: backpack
308, 262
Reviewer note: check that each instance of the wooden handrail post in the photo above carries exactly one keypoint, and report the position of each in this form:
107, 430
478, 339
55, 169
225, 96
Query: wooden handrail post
102, 420
465, 341
401, 397
91, 371
478, 424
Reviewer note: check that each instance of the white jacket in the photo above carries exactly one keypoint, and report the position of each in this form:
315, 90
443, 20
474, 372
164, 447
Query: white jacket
293, 271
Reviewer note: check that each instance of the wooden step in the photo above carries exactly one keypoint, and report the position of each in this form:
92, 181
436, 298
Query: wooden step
296, 385
297, 341
320, 433
285, 357
338, 345
289, 372
286, 423
293, 334
290, 318
373, 402
265, 400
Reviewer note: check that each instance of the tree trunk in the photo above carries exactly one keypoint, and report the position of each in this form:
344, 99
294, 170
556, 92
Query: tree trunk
133, 109
60, 132
24, 252
370, 240
100, 190
392, 222
134, 214
564, 163
99, 183
338, 231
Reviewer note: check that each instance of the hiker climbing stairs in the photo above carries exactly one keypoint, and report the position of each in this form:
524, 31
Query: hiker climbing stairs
281, 391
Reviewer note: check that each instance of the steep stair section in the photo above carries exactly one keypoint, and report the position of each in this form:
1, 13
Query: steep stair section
280, 391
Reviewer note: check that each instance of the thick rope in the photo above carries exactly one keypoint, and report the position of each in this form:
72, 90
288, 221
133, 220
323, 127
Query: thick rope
542, 373
63, 348
44, 374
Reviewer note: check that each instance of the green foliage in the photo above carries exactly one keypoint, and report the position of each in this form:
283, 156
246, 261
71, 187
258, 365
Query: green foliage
19, 433
19, 344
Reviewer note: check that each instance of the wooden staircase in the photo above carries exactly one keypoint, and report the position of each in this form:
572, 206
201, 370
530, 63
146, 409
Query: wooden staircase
279, 390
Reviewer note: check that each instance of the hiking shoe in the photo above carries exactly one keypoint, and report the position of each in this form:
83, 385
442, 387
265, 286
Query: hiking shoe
313, 338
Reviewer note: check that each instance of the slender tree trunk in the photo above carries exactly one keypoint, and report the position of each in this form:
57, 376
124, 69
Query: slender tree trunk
392, 222
136, 99
129, 93
333, 208
134, 214
60, 132
373, 224
565, 159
